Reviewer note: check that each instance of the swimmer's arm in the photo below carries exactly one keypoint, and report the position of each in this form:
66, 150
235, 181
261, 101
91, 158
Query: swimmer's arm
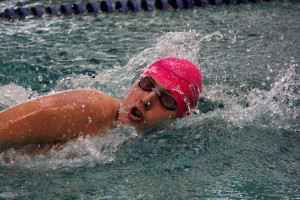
50, 119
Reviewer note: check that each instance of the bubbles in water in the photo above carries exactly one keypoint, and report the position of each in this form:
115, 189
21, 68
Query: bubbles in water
80, 136
13, 94
277, 107
83, 151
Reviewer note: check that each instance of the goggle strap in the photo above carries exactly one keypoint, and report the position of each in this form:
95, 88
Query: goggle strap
156, 91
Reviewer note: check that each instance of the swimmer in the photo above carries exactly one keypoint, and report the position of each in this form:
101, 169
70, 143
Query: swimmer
166, 90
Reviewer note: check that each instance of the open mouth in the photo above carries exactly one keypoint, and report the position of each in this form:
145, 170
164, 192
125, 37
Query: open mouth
135, 114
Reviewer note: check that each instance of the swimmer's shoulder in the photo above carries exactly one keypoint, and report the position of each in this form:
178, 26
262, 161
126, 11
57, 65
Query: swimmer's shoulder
81, 95
92, 98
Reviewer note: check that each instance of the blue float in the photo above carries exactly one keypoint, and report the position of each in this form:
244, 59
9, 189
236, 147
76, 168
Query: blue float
66, 9
147, 5
188, 4
201, 3
10, 13
242, 1
176, 4
215, 2
106, 6
51, 10
37, 11
161, 4
121, 6
133, 5
92, 7
230, 2
78, 8
22, 12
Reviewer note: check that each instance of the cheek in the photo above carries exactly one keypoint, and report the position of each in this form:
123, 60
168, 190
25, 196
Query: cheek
156, 117
164, 114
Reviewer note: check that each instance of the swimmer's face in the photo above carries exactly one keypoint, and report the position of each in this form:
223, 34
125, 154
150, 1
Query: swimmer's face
143, 109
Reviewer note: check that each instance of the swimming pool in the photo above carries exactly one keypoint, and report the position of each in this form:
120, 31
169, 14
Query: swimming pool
245, 145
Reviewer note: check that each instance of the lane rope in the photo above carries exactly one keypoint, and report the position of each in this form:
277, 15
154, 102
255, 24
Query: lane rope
106, 6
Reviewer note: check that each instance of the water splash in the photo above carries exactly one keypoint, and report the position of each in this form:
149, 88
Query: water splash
118, 80
277, 108
13, 94
281, 103
83, 151
91, 150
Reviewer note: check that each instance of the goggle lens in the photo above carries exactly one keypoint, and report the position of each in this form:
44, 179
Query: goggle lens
166, 101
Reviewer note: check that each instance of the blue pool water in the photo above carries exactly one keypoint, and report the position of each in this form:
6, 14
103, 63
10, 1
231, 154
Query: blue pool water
244, 145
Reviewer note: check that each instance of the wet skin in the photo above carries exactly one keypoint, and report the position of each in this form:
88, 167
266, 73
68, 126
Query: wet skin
54, 118
143, 110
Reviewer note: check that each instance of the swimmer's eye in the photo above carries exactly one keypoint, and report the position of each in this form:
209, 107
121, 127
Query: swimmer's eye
166, 100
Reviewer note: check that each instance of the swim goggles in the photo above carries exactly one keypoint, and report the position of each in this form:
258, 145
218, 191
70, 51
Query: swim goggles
166, 100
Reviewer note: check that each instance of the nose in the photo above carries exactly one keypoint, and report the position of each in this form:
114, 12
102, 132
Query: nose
149, 99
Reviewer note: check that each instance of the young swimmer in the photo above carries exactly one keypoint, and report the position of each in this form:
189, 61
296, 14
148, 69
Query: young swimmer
166, 90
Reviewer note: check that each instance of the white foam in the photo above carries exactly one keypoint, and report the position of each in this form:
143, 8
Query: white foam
83, 151
13, 94
96, 150
275, 108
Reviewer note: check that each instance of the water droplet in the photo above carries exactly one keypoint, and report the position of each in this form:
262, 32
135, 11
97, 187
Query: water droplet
40, 78
292, 60
80, 136
90, 120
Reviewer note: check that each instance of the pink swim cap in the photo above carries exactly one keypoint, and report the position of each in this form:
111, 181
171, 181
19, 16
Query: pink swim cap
182, 78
